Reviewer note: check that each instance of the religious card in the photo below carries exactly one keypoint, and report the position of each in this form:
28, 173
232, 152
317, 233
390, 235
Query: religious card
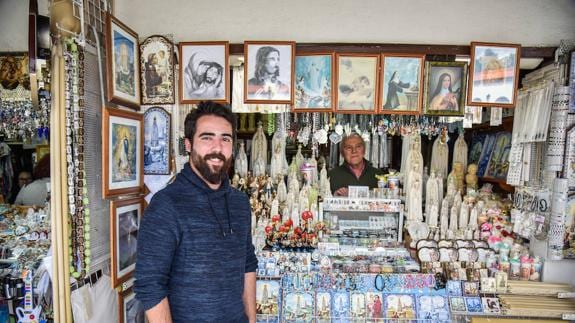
340, 307
400, 306
374, 306
434, 308
454, 288
488, 285
457, 304
358, 305
323, 307
473, 304
491, 305
267, 300
470, 288
298, 307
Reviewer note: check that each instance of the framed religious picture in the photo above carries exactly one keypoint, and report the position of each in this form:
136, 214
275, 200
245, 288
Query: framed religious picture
445, 88
125, 218
122, 63
157, 148
357, 81
400, 306
402, 79
268, 299
129, 308
14, 71
269, 72
204, 72
314, 75
122, 152
494, 75
157, 70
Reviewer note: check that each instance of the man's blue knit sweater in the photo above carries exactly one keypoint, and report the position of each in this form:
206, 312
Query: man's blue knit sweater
194, 247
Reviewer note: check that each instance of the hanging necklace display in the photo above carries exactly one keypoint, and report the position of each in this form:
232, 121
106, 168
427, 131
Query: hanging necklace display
77, 188
460, 151
557, 131
374, 157
241, 162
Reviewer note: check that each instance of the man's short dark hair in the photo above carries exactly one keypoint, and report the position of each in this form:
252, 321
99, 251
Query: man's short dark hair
206, 108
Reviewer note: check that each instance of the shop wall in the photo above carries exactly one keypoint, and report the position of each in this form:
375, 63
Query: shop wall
14, 26
456, 22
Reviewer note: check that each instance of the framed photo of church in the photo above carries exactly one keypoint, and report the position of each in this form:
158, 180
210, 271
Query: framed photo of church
445, 88
125, 216
157, 150
493, 75
157, 70
204, 72
122, 152
269, 72
122, 63
402, 83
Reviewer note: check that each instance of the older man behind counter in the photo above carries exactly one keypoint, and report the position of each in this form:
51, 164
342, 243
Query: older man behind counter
355, 170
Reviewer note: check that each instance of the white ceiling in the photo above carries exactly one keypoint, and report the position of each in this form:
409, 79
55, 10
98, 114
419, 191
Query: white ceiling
454, 22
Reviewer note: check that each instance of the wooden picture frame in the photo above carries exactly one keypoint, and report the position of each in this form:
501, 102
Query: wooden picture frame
157, 141
122, 64
493, 75
314, 79
357, 81
445, 88
261, 85
125, 216
204, 72
402, 83
122, 152
157, 70
126, 311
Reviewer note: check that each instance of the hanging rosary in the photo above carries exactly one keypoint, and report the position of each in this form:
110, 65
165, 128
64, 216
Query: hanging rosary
77, 189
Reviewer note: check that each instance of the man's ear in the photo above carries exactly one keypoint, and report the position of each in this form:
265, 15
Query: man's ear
188, 145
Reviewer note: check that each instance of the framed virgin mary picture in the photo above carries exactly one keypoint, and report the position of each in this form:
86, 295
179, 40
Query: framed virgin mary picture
269, 72
445, 88
402, 83
122, 64
357, 82
157, 148
122, 152
494, 75
314, 75
125, 218
204, 72
157, 70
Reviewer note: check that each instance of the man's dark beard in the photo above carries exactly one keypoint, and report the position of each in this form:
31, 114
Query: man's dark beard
214, 177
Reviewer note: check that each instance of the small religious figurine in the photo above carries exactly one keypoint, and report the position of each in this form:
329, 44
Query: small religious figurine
235, 180
471, 177
459, 175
